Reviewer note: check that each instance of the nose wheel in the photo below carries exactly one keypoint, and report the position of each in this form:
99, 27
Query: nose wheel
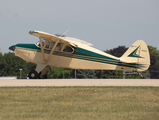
33, 74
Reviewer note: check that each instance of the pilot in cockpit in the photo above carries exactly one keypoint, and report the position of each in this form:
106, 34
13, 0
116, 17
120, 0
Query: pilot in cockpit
58, 47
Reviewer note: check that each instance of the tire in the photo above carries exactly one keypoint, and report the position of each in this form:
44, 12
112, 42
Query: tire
33, 74
42, 77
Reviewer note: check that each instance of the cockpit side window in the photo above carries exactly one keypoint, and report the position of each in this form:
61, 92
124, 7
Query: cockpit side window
59, 47
52, 45
47, 45
68, 49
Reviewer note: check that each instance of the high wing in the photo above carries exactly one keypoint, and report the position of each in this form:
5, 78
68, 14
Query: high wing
69, 40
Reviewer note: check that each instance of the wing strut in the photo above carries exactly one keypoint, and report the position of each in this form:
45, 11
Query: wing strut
52, 50
42, 49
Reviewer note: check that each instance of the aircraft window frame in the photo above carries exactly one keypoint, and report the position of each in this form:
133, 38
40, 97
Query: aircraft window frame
52, 45
63, 47
47, 45
69, 47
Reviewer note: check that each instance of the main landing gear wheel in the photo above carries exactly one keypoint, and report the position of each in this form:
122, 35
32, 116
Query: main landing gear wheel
33, 74
42, 77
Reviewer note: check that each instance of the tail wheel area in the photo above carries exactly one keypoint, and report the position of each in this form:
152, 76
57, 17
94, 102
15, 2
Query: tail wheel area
42, 76
33, 74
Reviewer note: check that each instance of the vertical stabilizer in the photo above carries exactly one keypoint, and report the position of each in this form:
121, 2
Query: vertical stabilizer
137, 53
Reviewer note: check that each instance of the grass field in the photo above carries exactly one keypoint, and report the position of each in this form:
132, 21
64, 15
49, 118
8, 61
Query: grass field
79, 103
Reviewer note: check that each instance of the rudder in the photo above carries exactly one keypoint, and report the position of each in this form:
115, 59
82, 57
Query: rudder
137, 53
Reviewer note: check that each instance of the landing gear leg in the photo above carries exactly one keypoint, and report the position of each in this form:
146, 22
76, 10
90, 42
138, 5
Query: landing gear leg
33, 74
43, 73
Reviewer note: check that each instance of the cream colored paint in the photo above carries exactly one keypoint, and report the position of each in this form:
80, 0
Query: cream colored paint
66, 62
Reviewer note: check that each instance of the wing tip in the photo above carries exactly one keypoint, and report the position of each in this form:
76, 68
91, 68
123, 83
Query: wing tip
32, 31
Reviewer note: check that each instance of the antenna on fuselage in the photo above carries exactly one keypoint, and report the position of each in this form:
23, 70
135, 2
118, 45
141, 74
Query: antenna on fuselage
64, 33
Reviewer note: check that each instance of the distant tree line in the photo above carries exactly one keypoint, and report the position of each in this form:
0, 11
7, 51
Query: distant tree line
10, 65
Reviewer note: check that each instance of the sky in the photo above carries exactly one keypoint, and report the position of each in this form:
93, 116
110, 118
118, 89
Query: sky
106, 24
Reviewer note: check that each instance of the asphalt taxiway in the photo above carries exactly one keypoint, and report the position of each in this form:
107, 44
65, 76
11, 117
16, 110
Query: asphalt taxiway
79, 82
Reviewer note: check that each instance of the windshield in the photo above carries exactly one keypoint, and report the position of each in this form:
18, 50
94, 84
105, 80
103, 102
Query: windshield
38, 43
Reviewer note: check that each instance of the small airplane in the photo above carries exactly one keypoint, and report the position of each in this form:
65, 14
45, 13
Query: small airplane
68, 52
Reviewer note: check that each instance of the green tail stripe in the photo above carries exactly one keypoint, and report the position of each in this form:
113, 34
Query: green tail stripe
133, 54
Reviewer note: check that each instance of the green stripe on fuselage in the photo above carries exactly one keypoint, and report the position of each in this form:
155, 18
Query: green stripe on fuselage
29, 46
81, 51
